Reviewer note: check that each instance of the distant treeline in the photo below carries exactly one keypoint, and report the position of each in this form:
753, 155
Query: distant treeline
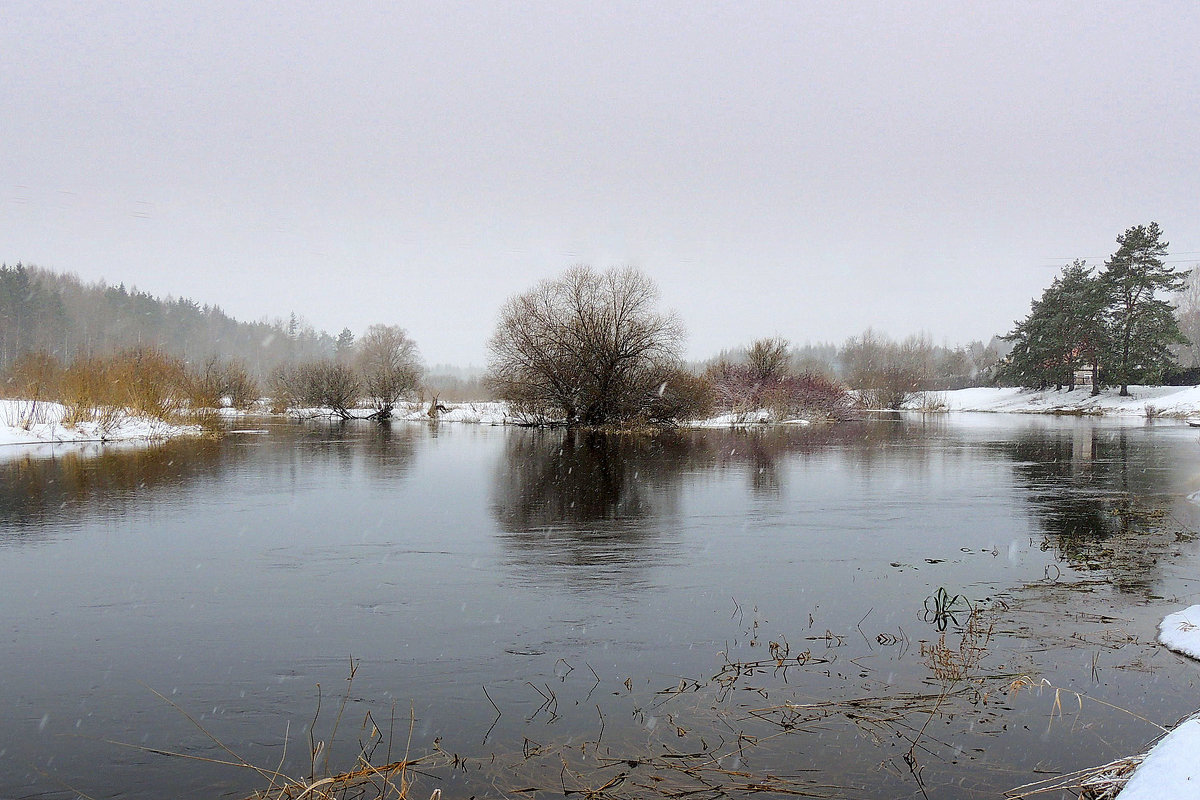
69, 319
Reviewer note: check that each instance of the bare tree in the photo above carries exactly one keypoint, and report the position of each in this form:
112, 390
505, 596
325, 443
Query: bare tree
389, 366
769, 358
885, 373
587, 348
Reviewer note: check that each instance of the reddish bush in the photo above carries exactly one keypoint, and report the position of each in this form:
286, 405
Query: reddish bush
741, 388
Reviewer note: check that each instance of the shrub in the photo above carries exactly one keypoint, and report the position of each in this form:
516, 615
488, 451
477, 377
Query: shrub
887, 387
766, 381
682, 396
215, 382
316, 384
34, 376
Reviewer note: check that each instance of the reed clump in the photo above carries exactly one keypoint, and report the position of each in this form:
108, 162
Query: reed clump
143, 382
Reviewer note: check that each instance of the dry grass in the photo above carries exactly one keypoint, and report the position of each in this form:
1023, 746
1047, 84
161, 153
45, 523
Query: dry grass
951, 664
1104, 782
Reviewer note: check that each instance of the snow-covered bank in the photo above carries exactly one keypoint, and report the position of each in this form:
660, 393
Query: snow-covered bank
1170, 769
488, 413
26, 422
1181, 631
1143, 401
745, 419
498, 413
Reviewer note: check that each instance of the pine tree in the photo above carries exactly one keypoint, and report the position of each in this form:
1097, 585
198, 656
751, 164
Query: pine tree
1143, 326
1081, 303
1064, 330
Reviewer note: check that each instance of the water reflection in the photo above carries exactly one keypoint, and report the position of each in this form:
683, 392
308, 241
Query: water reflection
1103, 503
43, 486
36, 491
258, 562
565, 500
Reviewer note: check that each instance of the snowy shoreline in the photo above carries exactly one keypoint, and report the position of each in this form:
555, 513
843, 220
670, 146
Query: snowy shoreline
1143, 401
1169, 768
24, 422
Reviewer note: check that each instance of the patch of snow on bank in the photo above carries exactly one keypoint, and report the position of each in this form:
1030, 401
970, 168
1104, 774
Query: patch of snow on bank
1143, 401
1181, 631
487, 413
26, 422
743, 419
1171, 768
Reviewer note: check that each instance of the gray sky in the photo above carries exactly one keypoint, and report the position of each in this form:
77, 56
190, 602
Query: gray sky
806, 169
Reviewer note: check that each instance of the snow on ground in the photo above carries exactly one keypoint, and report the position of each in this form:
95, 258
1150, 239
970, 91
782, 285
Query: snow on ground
1144, 401
1181, 631
1171, 768
479, 413
26, 422
759, 417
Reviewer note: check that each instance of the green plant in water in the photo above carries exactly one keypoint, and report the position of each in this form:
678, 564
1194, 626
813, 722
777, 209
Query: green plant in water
941, 608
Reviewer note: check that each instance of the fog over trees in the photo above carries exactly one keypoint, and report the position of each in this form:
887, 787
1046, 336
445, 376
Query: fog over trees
593, 347
70, 319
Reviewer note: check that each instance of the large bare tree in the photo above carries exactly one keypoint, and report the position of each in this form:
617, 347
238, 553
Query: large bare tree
587, 348
389, 366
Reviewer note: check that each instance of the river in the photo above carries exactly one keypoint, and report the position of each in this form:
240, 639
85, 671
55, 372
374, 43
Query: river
940, 606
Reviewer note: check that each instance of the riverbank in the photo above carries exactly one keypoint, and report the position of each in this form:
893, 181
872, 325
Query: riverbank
27, 422
1143, 401
30, 422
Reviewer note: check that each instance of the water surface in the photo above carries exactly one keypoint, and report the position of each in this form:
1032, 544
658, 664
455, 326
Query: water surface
594, 589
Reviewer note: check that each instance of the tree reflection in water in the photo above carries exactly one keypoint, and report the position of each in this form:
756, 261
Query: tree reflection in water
1103, 504
609, 501
55, 484
105, 481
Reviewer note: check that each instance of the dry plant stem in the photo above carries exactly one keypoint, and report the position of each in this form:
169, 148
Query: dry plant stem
1095, 783
341, 709
312, 742
239, 761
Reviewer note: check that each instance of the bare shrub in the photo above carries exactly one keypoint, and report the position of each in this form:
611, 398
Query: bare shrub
682, 396
316, 384
884, 373
769, 358
766, 381
215, 382
887, 387
932, 403
240, 386
34, 379
146, 381
388, 365
587, 348
285, 388
83, 390
142, 381
206, 385
34, 376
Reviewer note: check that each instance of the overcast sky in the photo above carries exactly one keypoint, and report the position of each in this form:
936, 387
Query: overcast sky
803, 169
